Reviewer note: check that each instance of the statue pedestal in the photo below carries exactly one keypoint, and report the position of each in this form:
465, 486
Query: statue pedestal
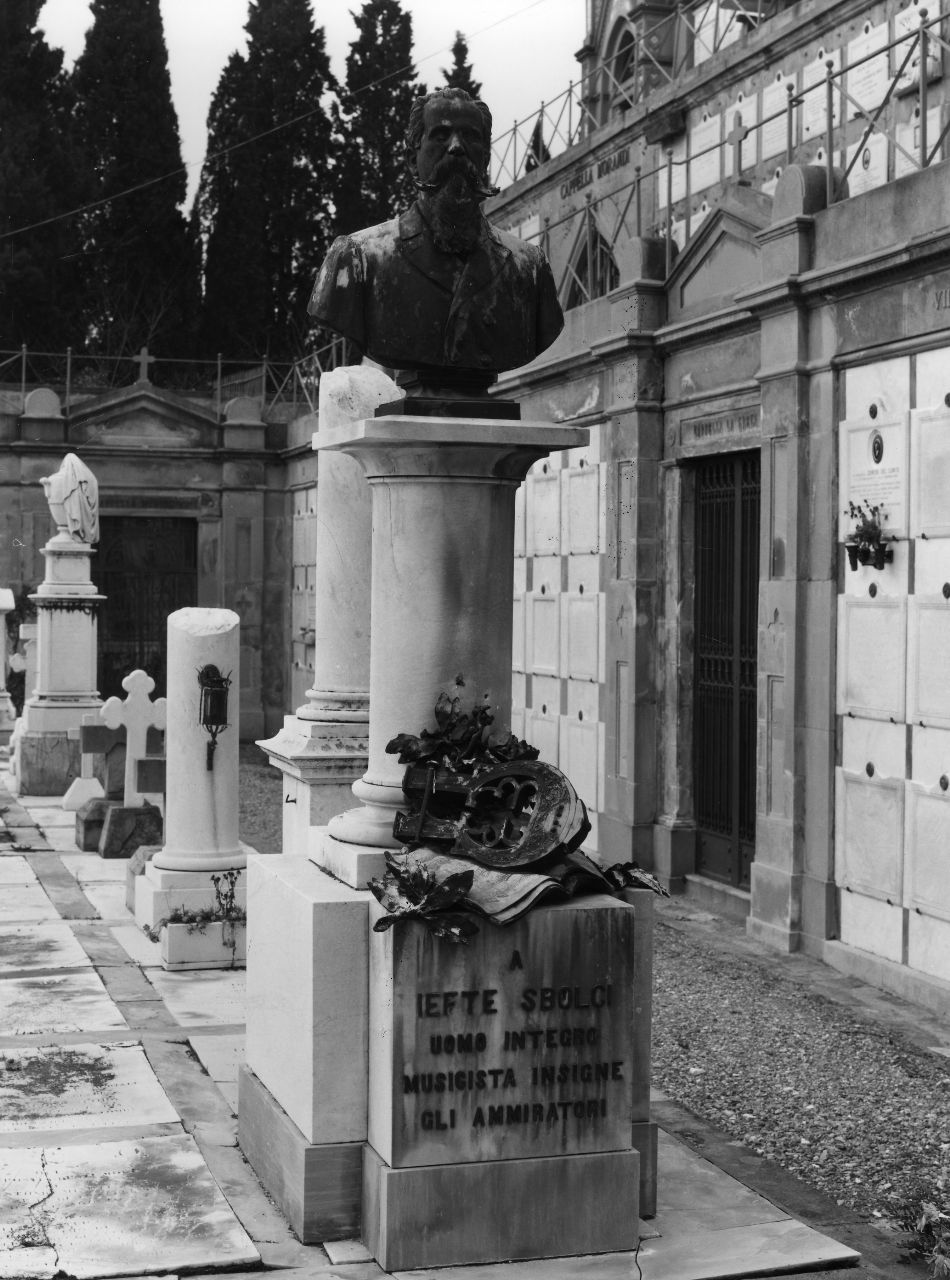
47, 757
443, 495
448, 1115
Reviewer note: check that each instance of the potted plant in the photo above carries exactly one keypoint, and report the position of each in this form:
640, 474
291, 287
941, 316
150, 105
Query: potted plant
867, 542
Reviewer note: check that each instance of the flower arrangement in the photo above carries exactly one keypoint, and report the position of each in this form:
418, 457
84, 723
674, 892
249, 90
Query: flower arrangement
867, 542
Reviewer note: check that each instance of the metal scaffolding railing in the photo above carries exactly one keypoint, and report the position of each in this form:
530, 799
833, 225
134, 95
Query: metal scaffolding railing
913, 51
78, 375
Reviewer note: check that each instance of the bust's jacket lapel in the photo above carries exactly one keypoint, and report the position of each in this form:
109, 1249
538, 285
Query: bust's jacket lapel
415, 245
470, 312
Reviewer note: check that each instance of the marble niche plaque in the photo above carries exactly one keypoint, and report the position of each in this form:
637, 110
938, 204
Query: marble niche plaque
872, 647
928, 662
870, 168
520, 1044
774, 130
873, 470
927, 839
814, 94
930, 473
867, 82
869, 831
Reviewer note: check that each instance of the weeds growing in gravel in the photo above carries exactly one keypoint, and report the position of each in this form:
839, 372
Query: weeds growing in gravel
933, 1239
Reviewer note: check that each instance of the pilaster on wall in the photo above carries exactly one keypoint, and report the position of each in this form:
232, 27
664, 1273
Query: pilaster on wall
792, 889
674, 832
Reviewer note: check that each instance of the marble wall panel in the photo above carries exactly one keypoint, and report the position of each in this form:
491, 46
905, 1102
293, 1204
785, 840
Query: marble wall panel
871, 925
874, 742
869, 835
543, 513
885, 384
872, 469
581, 501
930, 755
928, 945
580, 636
930, 473
872, 647
928, 665
927, 841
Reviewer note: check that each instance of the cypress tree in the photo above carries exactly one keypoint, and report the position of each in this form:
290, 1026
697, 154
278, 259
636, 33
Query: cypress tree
139, 260
459, 76
38, 181
263, 202
381, 84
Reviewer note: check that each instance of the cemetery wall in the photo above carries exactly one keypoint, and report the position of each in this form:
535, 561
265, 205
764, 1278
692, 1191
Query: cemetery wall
794, 330
194, 511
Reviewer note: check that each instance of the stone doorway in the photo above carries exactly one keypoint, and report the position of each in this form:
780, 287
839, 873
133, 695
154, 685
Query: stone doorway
727, 587
147, 566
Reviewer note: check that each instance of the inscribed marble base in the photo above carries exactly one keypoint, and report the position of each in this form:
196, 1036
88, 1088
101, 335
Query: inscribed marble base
73, 1002
47, 945
81, 1086
202, 998
114, 1208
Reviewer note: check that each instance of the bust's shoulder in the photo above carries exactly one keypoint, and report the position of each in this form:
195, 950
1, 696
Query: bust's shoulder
524, 250
369, 240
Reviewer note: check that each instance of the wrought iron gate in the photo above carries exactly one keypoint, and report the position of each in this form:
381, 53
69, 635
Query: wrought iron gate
727, 582
147, 567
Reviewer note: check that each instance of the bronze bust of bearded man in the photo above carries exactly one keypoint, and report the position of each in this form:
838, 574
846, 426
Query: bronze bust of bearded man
438, 290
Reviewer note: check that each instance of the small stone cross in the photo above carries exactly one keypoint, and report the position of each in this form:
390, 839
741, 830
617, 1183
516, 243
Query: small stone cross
144, 360
735, 137
138, 713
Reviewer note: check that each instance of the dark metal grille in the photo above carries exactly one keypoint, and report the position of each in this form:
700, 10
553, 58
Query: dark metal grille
148, 568
727, 586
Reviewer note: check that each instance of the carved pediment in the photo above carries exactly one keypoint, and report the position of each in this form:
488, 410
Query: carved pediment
721, 259
146, 416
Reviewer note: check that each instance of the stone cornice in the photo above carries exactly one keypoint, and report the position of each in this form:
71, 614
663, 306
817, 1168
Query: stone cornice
727, 322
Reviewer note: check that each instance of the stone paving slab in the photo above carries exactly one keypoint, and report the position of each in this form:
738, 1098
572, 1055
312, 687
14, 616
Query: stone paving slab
54, 818
108, 900
25, 902
61, 840
731, 1254
15, 869
49, 944
69, 1002
89, 868
202, 997
82, 1086
115, 1209
219, 1055
137, 945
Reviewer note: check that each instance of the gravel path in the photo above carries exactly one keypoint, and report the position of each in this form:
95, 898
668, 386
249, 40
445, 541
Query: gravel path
850, 1107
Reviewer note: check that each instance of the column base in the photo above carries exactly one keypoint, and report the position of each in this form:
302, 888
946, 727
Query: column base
317, 1186
499, 1210
354, 864
674, 853
319, 761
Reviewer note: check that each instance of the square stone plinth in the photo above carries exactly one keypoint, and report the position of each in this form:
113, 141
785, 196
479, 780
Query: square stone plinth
307, 995
503, 1210
519, 1045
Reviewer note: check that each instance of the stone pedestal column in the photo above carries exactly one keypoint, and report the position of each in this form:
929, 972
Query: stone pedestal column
321, 749
47, 759
201, 805
7, 714
443, 526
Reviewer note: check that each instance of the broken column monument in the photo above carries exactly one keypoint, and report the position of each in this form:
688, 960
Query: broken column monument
199, 869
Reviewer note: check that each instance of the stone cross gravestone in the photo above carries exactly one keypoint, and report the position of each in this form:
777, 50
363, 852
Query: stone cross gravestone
138, 713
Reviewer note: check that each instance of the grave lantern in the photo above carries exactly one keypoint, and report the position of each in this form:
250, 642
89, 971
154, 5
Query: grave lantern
213, 708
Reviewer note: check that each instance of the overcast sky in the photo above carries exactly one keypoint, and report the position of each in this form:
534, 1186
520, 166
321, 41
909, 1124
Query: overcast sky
521, 50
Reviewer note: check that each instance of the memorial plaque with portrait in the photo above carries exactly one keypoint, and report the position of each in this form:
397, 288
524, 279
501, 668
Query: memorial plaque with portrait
873, 471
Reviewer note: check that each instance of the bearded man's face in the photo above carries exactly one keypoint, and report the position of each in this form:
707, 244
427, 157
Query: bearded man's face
451, 165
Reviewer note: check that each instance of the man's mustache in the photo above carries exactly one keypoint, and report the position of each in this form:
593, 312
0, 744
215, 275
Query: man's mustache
450, 166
